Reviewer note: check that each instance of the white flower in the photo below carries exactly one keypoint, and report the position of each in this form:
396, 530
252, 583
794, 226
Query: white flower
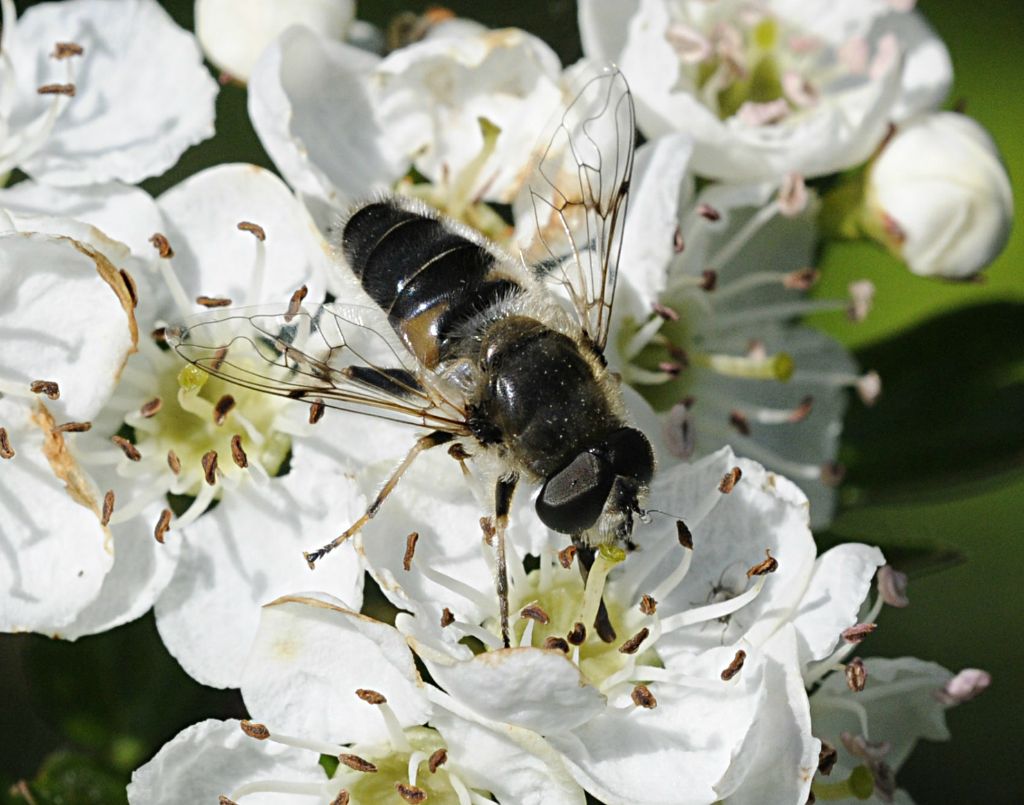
234, 33
324, 680
709, 286
99, 90
464, 111
938, 196
247, 550
874, 731
670, 690
770, 88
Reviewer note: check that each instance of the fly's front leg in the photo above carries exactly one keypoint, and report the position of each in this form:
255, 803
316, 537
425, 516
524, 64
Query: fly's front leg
502, 505
434, 439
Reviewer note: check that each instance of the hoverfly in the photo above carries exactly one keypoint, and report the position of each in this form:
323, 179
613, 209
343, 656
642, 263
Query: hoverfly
479, 348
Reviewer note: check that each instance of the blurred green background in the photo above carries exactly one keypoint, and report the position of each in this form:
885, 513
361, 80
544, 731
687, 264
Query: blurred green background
933, 476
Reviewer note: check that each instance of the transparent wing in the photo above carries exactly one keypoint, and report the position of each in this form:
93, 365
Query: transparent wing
571, 212
338, 355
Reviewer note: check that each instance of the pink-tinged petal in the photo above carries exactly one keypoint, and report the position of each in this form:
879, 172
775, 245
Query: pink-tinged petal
214, 758
309, 658
142, 97
248, 552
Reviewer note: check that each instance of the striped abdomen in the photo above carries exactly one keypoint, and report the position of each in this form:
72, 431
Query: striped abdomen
427, 278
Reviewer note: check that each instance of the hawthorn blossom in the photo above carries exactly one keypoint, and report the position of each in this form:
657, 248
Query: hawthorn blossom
709, 286
324, 680
938, 196
99, 90
871, 733
774, 87
180, 435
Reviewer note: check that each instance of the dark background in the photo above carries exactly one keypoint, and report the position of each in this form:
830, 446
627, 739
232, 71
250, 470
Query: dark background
934, 477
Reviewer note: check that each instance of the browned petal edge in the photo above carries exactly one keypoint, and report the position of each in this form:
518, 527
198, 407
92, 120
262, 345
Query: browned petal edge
77, 483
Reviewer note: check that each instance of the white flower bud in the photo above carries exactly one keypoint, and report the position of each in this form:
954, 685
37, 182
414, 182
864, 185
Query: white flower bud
234, 33
939, 197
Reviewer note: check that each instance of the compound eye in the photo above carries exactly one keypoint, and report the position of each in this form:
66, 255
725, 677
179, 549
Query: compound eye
572, 499
630, 454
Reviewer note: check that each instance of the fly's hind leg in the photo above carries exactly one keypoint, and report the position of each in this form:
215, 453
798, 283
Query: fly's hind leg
502, 505
434, 439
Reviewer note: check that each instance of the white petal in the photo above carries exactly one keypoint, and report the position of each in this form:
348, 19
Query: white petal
515, 765
304, 90
248, 552
127, 214
603, 27
927, 66
213, 257
307, 662
841, 581
675, 753
538, 689
142, 569
234, 33
54, 553
143, 94
779, 755
212, 759
69, 320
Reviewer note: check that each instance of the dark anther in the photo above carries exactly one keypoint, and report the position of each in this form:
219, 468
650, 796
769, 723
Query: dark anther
209, 462
255, 229
534, 612
447, 618
678, 244
237, 453
162, 245
371, 696
410, 550
47, 387
341, 799
108, 507
729, 480
684, 535
827, 757
642, 697
223, 800
57, 89
566, 555
65, 50
213, 301
740, 422
316, 411
708, 212
633, 644
857, 633
6, 451
162, 525
578, 634
130, 451
664, 312
648, 605
768, 565
410, 793
131, 287
222, 409
357, 763
856, 675
556, 643
152, 407
801, 412
801, 280
73, 427
255, 730
218, 358
437, 760
735, 666
295, 303
709, 279
159, 335
173, 462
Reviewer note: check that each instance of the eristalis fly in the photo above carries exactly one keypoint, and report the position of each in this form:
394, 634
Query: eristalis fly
501, 355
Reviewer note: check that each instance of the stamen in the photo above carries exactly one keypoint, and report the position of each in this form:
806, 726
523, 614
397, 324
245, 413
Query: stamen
856, 675
410, 793
729, 480
255, 290
237, 453
415, 759
827, 757
734, 667
862, 297
131, 287
47, 387
708, 213
437, 760
857, 634
163, 525
255, 229
632, 645
108, 507
607, 557
557, 643
642, 697
566, 555
295, 304
213, 301
733, 246
65, 50
222, 408
254, 730
775, 367
72, 427
57, 89
892, 586
209, 462
130, 451
316, 411
151, 408
739, 421
165, 252
357, 763
341, 799
664, 312
447, 618
648, 604
173, 462
577, 635
792, 195
675, 578
470, 593
768, 565
534, 612
410, 550
963, 687
6, 451
395, 731
713, 611
489, 639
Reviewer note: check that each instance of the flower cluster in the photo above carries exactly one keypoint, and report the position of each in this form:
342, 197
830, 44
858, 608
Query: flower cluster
713, 664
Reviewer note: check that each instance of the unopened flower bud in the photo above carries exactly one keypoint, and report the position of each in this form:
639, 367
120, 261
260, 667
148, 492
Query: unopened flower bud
938, 196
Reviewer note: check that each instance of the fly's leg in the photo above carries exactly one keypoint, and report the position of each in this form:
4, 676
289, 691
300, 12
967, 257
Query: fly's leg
434, 439
502, 505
